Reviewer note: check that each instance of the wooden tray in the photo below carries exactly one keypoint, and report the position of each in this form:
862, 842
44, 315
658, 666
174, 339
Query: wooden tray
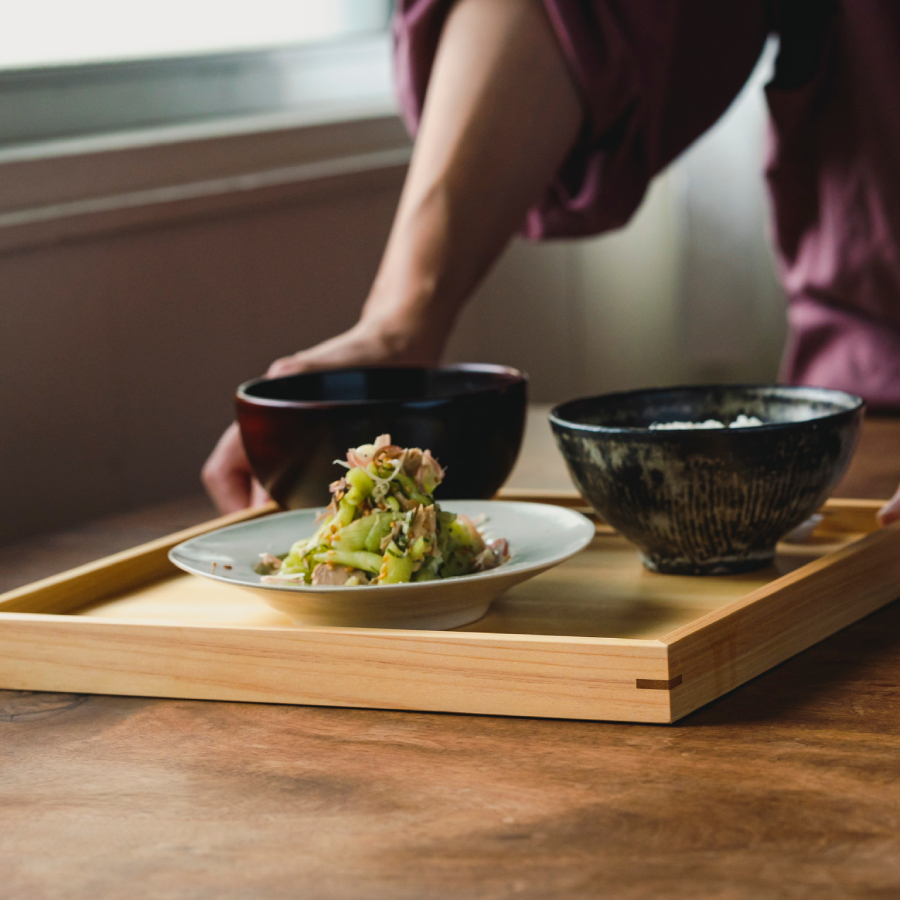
598, 637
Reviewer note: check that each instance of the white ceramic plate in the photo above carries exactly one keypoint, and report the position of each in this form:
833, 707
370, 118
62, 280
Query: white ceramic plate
540, 536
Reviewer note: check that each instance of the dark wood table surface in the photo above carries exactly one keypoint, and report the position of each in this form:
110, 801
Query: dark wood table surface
787, 787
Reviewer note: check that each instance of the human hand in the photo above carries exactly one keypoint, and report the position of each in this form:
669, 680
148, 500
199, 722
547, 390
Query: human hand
890, 512
499, 83
227, 476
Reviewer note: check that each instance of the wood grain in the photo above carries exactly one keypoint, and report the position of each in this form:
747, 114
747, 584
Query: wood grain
722, 650
120, 572
784, 788
598, 637
441, 671
874, 469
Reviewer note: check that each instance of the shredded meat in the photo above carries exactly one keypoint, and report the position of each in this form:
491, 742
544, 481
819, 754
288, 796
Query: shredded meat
487, 559
429, 474
268, 560
501, 546
406, 504
494, 554
392, 536
412, 461
327, 573
267, 564
423, 523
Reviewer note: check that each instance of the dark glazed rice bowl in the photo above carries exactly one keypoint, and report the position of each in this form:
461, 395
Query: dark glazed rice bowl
708, 501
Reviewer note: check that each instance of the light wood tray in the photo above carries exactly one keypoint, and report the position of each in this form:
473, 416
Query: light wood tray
598, 637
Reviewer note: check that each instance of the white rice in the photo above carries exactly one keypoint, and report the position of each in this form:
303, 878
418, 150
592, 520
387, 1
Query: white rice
741, 421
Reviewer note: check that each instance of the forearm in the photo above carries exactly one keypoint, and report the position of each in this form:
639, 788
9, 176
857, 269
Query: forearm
500, 115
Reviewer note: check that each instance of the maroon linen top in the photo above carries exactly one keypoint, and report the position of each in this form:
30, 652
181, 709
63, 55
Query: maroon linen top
654, 76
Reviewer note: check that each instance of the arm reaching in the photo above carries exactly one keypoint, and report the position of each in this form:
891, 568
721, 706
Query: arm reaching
501, 114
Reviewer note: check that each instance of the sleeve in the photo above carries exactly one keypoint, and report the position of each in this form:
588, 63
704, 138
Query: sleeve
652, 77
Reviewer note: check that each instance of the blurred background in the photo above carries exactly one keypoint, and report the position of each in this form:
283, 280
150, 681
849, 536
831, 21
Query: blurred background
191, 189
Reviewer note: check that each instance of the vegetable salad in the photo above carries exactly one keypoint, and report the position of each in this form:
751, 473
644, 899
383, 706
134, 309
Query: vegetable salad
384, 527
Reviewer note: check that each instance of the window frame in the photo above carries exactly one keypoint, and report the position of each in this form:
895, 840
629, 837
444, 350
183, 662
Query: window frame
340, 131
322, 79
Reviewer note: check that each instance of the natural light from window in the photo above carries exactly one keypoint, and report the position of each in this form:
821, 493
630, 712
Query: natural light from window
40, 33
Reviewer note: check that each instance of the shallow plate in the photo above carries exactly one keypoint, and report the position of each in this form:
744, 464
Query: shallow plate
539, 535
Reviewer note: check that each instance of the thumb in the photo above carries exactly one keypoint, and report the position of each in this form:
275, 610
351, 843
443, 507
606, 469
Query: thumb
226, 474
890, 512
258, 495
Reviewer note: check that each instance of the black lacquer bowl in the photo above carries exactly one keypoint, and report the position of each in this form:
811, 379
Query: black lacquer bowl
708, 501
471, 417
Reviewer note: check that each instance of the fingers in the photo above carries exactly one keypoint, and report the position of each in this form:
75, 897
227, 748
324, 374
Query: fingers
362, 345
891, 511
258, 495
287, 365
226, 474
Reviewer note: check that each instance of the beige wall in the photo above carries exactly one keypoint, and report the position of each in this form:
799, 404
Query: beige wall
126, 325
686, 293
587, 316
119, 353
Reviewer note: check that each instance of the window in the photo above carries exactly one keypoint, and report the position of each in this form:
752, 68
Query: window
43, 33
94, 67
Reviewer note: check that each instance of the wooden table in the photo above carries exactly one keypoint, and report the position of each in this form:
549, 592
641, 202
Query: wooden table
788, 787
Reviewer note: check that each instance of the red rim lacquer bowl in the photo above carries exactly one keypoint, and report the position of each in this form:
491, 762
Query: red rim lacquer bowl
471, 417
